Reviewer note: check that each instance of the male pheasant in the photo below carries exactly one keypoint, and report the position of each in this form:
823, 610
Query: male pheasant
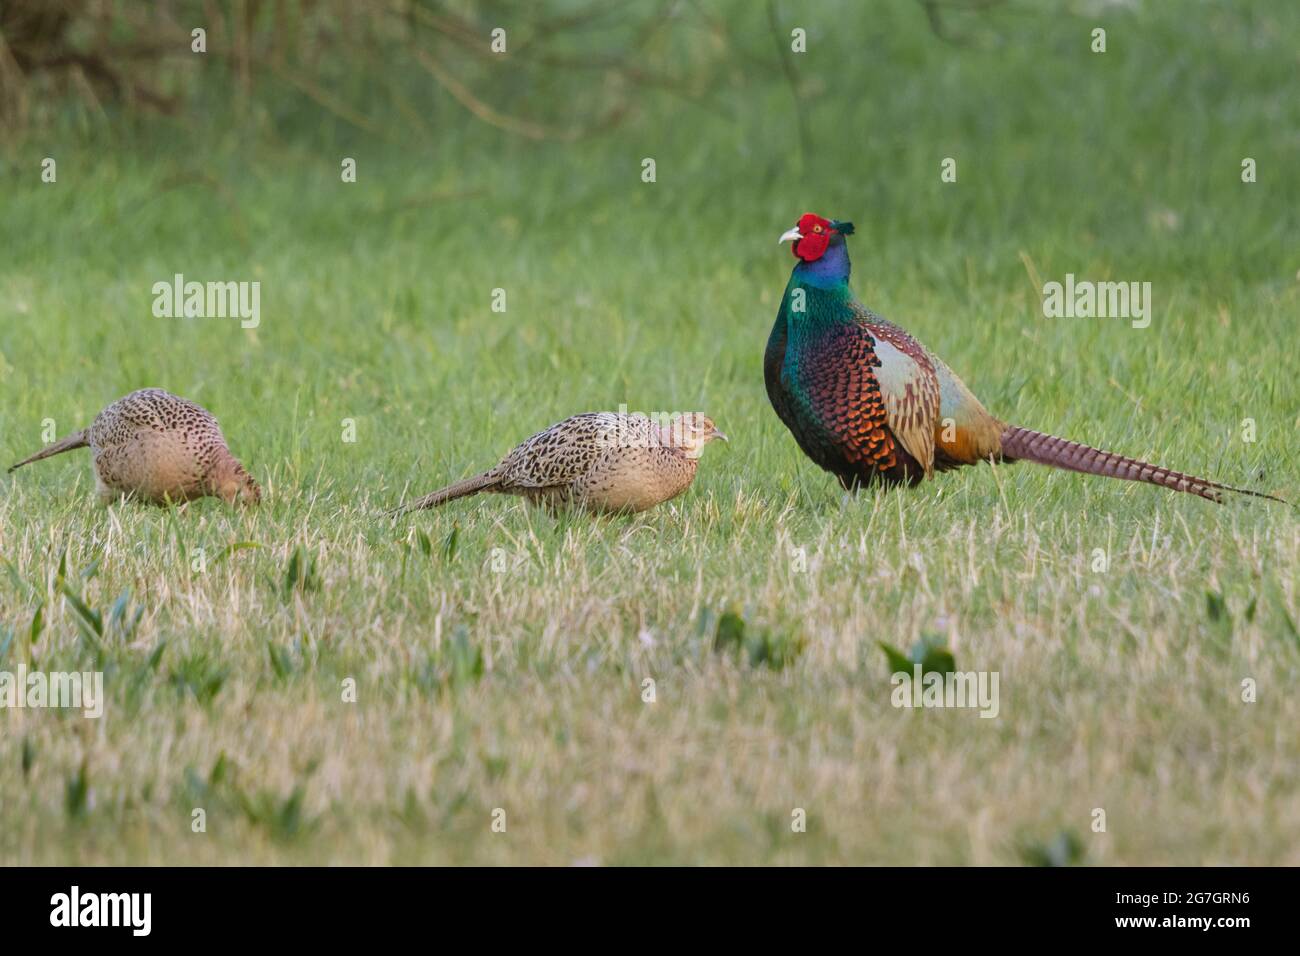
869, 403
597, 461
158, 447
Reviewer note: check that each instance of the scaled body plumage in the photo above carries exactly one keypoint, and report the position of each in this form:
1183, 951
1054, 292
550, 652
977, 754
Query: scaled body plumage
870, 404
158, 447
597, 461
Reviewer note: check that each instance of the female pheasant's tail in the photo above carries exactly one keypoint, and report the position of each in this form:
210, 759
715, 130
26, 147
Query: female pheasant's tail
460, 489
76, 440
1022, 443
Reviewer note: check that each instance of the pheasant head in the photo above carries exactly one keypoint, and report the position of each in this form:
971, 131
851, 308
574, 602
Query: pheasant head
691, 432
232, 483
819, 246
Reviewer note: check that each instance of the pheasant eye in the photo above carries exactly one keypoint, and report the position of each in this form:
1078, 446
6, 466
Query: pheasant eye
817, 229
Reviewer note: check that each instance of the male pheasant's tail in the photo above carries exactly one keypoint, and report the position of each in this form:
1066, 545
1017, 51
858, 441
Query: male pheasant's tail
1022, 443
76, 440
460, 489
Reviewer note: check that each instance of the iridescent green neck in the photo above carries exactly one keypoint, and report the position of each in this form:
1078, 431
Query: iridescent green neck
811, 303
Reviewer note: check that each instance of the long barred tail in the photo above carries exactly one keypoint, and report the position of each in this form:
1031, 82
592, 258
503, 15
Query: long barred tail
76, 440
1022, 443
470, 486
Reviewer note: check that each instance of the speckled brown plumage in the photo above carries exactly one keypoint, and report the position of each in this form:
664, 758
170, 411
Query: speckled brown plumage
158, 447
598, 461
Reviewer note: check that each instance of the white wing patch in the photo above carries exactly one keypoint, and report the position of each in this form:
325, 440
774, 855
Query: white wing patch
911, 394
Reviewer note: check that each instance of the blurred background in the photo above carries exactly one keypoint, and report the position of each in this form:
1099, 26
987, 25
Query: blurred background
523, 169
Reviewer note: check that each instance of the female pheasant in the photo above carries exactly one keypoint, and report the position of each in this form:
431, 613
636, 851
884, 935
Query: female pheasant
867, 402
158, 447
597, 461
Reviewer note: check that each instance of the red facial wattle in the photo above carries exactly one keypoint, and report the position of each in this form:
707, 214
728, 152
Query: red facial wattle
811, 247
815, 233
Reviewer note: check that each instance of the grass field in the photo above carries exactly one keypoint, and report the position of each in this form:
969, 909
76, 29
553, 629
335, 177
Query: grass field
499, 654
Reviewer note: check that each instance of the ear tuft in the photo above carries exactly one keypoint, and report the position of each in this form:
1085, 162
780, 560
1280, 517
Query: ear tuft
844, 228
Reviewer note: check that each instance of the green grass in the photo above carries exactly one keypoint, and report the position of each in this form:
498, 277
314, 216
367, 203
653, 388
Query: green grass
521, 689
